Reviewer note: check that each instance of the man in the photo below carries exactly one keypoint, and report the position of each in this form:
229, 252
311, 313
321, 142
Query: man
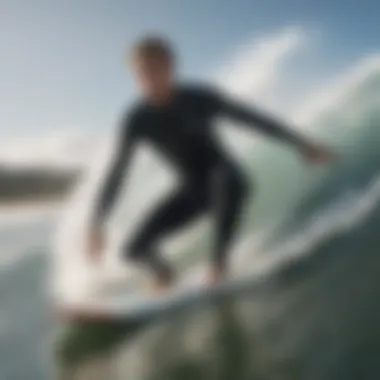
177, 120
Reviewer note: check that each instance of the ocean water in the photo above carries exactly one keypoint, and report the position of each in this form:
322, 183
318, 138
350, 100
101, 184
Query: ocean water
309, 243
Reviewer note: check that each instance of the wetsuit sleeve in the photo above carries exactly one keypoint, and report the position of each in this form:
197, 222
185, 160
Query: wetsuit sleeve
125, 144
256, 119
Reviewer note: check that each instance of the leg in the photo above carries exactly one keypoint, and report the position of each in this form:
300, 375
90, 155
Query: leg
174, 212
231, 192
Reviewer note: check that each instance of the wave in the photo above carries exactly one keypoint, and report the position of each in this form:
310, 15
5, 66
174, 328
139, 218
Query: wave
345, 214
287, 190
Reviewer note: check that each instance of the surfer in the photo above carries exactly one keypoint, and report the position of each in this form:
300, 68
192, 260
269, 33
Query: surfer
177, 120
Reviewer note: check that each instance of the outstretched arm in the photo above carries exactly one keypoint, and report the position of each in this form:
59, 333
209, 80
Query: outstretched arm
115, 175
254, 118
125, 144
257, 119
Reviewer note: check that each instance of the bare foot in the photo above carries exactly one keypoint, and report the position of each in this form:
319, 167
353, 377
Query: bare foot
217, 275
161, 284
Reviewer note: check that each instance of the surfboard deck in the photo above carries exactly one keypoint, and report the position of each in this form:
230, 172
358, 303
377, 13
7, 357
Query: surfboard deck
139, 305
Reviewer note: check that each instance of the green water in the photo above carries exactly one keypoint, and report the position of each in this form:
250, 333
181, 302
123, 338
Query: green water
314, 319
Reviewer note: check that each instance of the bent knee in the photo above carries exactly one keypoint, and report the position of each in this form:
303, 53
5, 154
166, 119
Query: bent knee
135, 250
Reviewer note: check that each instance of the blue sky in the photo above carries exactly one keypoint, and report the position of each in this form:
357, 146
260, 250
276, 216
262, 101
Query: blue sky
62, 60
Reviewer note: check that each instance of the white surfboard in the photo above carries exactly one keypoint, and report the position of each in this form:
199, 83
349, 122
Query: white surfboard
135, 304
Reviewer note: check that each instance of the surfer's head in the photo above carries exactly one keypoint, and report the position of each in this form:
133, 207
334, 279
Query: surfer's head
153, 64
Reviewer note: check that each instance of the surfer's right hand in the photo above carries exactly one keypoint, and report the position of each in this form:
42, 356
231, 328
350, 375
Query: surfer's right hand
314, 153
96, 243
217, 274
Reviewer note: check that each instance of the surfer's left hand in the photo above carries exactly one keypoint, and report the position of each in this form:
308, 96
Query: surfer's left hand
318, 154
95, 243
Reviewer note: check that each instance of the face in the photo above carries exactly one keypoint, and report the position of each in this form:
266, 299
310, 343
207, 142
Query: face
154, 76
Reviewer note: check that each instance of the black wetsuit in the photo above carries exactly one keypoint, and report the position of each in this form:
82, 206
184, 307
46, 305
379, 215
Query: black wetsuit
210, 181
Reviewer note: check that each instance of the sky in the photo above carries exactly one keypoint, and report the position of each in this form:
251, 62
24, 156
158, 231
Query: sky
62, 66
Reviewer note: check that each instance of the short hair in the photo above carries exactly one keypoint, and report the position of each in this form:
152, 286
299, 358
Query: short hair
153, 46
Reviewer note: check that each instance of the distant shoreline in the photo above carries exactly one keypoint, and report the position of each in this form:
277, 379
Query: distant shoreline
31, 203
33, 188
